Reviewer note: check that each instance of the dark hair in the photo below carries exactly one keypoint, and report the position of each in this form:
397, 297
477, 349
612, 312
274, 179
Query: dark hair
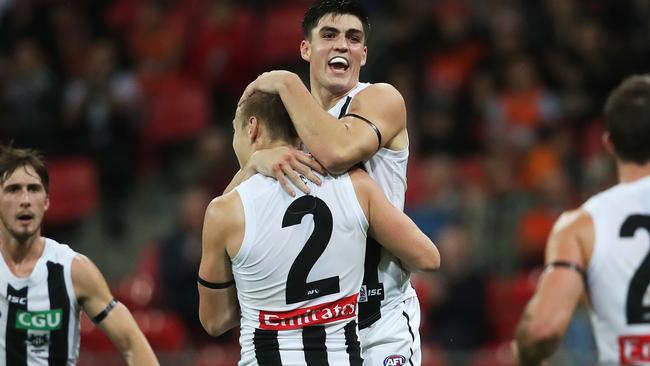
12, 158
336, 7
269, 109
627, 119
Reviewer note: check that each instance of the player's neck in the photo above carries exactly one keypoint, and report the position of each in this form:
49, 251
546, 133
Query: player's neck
276, 143
630, 172
21, 256
325, 98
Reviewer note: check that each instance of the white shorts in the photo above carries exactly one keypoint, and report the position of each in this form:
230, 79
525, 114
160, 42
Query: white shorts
394, 339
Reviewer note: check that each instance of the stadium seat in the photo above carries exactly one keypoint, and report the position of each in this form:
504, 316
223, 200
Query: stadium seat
507, 298
280, 34
499, 354
73, 190
165, 332
140, 289
217, 355
176, 108
432, 356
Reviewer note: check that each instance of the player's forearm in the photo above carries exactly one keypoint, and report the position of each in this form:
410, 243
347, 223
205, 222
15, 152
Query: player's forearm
218, 309
139, 352
326, 138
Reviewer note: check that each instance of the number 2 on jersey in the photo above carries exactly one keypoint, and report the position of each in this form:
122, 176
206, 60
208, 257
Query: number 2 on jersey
635, 311
298, 289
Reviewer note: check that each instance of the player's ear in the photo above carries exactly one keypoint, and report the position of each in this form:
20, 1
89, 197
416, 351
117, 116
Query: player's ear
364, 56
253, 129
608, 144
305, 50
47, 202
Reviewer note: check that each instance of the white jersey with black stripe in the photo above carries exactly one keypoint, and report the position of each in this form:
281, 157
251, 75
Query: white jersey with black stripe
386, 283
618, 274
298, 273
39, 315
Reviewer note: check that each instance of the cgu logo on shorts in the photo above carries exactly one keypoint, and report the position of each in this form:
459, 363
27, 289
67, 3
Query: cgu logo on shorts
39, 320
394, 360
330, 312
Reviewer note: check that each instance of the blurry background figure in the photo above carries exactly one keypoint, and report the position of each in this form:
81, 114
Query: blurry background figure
458, 319
30, 103
101, 108
179, 255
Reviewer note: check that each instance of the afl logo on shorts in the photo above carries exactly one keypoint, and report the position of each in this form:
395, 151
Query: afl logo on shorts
394, 360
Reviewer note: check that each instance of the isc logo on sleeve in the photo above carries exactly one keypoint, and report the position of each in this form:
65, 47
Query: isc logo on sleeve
39, 320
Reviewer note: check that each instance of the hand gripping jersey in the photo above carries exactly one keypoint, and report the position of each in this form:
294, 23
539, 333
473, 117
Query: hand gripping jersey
298, 273
619, 273
386, 283
39, 315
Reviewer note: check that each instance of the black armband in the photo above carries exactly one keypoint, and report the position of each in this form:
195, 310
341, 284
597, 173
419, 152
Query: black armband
99, 317
370, 124
215, 286
571, 266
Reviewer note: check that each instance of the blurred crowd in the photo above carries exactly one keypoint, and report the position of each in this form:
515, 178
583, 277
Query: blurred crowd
504, 101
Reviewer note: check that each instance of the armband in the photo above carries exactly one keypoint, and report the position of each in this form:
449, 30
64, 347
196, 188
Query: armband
102, 315
215, 286
372, 125
569, 265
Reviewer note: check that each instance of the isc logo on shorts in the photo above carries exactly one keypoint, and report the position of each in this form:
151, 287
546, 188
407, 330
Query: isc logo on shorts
394, 360
371, 294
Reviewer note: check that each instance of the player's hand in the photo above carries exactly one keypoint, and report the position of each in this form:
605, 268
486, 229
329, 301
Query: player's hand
268, 82
515, 351
515, 354
287, 164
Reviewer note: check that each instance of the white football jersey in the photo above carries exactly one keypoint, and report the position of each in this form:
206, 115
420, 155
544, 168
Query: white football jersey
386, 283
298, 273
618, 274
39, 315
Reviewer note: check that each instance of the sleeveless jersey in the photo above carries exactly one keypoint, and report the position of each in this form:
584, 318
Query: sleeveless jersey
386, 283
39, 315
298, 273
619, 273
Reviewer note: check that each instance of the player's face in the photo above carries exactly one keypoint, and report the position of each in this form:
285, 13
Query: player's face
336, 52
23, 202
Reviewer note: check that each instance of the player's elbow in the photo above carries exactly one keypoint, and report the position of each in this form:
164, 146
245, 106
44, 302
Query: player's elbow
214, 326
337, 159
218, 321
335, 163
428, 261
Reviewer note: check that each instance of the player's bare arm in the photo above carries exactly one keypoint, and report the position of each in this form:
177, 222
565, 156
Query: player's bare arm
376, 118
560, 288
223, 232
113, 318
283, 163
392, 228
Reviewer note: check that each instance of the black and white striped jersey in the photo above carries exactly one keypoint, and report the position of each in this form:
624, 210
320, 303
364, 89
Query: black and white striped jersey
39, 315
298, 273
386, 283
